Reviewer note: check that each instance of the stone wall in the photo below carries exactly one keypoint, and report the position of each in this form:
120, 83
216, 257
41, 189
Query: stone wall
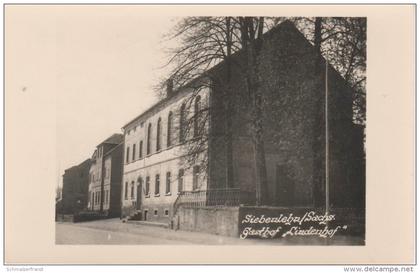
220, 221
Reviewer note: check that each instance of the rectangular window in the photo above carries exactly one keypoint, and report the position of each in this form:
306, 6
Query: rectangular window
132, 189
147, 185
127, 155
156, 212
196, 176
126, 191
157, 185
134, 152
181, 180
168, 182
141, 149
166, 212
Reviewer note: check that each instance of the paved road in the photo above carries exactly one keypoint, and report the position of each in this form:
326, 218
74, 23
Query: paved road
113, 231
76, 234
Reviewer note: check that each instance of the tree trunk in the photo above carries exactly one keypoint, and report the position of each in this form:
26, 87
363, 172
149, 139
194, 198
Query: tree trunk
228, 109
252, 47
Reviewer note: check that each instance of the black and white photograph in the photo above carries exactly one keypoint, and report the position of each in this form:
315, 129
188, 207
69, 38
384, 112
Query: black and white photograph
209, 134
251, 132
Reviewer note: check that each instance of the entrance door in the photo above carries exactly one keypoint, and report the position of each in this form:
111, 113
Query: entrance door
285, 188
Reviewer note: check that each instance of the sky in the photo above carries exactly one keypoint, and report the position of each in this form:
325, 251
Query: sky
106, 67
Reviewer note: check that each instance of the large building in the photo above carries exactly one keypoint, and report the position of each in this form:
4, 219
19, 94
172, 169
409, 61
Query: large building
74, 195
105, 177
175, 152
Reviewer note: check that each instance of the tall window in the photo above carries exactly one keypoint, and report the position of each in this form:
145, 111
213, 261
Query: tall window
134, 152
169, 136
141, 149
168, 182
158, 134
127, 155
126, 191
196, 176
93, 198
181, 180
132, 190
157, 185
182, 125
197, 114
149, 134
147, 185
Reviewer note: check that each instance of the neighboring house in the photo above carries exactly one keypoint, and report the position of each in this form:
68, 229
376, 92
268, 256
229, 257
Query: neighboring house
74, 194
105, 177
156, 181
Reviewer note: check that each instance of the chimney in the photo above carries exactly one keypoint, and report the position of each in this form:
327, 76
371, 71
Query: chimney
169, 87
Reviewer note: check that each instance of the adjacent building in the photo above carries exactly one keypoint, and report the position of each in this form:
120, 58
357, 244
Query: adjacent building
175, 152
74, 193
105, 177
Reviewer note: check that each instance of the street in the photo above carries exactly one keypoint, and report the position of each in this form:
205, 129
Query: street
113, 231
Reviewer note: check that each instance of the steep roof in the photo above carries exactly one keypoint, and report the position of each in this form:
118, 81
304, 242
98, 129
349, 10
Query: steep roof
113, 149
114, 139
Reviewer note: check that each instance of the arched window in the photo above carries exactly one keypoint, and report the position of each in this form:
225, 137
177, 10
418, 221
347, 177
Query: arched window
197, 114
126, 191
182, 125
158, 134
149, 134
169, 135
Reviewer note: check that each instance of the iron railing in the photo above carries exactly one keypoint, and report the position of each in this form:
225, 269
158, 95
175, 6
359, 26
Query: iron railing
228, 197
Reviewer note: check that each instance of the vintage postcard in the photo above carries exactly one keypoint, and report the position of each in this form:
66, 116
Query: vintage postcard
229, 129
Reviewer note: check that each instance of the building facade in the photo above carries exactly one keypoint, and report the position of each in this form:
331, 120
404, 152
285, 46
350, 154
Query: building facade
154, 148
74, 194
105, 177
158, 176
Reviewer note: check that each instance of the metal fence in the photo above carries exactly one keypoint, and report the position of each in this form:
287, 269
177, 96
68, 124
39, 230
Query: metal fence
229, 197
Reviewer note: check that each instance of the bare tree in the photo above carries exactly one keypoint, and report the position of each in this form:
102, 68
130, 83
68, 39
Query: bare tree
207, 41
342, 42
252, 29
204, 42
